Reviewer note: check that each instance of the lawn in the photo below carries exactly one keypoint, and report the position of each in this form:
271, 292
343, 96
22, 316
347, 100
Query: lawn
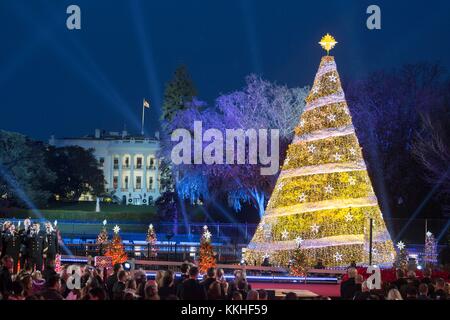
85, 211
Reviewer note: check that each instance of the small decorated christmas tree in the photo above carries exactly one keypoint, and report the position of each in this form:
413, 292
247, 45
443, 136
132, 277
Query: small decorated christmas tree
151, 240
102, 238
430, 254
207, 258
298, 261
115, 249
401, 260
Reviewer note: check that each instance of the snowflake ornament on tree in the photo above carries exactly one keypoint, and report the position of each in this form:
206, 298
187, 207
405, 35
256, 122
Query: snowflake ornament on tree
315, 228
302, 197
329, 189
311, 148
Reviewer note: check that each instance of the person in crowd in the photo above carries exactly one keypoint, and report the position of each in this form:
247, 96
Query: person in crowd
411, 293
38, 281
112, 279
3, 234
236, 296
119, 286
97, 294
5, 276
232, 286
210, 278
220, 277
11, 245
252, 295
25, 245
49, 270
191, 289
359, 279
363, 293
158, 277
185, 270
394, 294
167, 285
427, 277
130, 292
262, 294
151, 290
51, 241
17, 291
349, 287
400, 281
412, 279
52, 289
423, 292
243, 287
37, 245
440, 292
27, 283
214, 291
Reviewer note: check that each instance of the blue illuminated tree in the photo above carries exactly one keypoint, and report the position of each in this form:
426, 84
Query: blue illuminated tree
250, 108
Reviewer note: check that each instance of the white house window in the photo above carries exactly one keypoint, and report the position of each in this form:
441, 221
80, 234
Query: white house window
138, 182
139, 163
150, 183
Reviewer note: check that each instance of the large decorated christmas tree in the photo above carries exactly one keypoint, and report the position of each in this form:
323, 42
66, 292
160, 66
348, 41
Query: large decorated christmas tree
323, 194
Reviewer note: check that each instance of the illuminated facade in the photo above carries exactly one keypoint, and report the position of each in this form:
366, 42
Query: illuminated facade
129, 164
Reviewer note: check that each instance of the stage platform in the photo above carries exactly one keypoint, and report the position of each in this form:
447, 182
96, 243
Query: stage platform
303, 291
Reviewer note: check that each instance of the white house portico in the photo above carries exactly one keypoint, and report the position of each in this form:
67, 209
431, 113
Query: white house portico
129, 163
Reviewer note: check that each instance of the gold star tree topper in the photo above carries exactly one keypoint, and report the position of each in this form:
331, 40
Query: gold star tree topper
328, 42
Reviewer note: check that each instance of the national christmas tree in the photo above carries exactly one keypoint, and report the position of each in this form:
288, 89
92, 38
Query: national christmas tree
151, 240
115, 249
430, 254
207, 258
323, 194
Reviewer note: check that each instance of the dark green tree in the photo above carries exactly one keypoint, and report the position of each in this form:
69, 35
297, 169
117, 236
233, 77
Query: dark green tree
179, 92
77, 172
25, 179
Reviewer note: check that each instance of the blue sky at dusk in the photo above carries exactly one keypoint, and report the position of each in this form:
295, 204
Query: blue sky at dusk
67, 83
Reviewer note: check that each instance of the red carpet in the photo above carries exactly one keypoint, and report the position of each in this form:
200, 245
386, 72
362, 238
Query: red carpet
328, 290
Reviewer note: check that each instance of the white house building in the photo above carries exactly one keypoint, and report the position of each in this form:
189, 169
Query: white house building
129, 163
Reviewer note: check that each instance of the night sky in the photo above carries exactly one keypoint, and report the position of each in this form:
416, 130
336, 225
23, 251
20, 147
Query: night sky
67, 83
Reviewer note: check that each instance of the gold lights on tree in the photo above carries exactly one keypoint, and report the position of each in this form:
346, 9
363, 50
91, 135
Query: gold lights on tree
328, 42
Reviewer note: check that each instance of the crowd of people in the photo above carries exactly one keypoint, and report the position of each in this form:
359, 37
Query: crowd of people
28, 272
120, 284
406, 286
